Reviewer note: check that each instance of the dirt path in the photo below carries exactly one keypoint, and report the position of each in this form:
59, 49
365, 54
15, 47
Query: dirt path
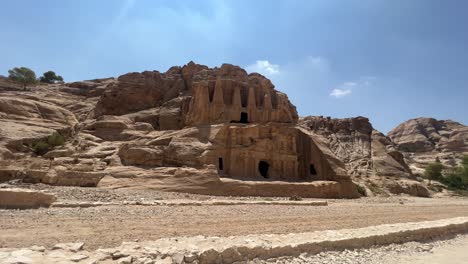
453, 253
109, 226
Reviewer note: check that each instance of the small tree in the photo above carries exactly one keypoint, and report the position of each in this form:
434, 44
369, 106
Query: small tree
433, 171
23, 75
50, 77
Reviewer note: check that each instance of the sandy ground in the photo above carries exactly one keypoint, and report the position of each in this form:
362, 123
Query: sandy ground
110, 225
453, 252
450, 251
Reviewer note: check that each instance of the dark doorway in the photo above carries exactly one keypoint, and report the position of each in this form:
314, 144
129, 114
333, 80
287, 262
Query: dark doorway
263, 167
244, 118
220, 164
312, 170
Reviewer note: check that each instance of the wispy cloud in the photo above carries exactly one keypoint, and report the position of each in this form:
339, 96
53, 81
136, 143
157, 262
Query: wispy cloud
346, 88
340, 92
264, 67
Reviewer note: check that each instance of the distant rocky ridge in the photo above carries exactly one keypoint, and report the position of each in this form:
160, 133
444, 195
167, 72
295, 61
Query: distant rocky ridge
422, 140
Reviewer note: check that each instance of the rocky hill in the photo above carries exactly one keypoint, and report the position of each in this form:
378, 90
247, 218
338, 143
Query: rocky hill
218, 131
196, 129
422, 140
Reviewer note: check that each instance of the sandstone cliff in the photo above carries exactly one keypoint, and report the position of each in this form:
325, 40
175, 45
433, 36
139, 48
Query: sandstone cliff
422, 140
192, 128
364, 150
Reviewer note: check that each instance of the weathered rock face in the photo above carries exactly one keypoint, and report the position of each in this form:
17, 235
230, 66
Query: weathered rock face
23, 121
193, 128
138, 91
89, 88
218, 95
428, 134
364, 150
422, 140
230, 95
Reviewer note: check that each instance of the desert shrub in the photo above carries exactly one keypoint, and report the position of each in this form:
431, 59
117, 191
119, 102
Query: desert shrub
433, 171
56, 139
453, 181
41, 147
375, 189
457, 178
361, 190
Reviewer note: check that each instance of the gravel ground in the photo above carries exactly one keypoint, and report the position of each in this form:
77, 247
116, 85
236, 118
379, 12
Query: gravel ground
412, 252
109, 226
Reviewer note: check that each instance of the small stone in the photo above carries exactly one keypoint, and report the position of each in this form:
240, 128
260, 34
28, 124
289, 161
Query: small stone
119, 255
78, 257
189, 258
17, 260
37, 248
125, 260
177, 258
73, 247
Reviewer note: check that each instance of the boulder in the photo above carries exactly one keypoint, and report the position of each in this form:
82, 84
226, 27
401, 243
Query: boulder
15, 198
412, 188
74, 178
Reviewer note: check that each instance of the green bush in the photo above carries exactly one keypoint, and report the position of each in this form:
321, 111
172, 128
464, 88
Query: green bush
433, 171
41, 147
361, 190
457, 177
56, 139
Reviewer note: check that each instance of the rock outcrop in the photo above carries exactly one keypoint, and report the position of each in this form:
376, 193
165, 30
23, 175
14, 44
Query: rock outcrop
364, 150
422, 140
193, 128
225, 94
24, 121
15, 198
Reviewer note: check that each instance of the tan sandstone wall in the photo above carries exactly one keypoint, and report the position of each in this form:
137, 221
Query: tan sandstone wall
288, 151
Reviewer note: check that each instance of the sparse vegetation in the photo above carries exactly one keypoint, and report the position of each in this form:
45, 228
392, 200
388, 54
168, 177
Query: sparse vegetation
22, 75
433, 171
361, 190
375, 189
50, 77
56, 139
43, 146
457, 177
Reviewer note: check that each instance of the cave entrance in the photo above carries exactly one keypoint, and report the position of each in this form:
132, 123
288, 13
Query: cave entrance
220, 164
312, 170
263, 167
244, 118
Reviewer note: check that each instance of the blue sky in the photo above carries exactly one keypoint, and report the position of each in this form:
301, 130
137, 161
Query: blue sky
387, 60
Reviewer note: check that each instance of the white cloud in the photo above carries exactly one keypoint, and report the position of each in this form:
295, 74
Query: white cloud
346, 88
340, 92
264, 67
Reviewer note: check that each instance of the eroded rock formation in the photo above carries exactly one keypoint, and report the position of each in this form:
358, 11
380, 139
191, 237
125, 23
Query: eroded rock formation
197, 129
422, 140
364, 150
